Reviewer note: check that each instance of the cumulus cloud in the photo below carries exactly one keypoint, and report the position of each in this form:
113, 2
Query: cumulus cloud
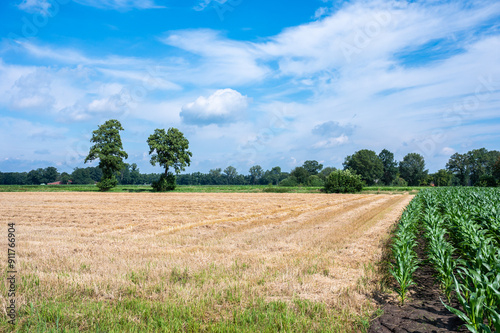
332, 142
223, 106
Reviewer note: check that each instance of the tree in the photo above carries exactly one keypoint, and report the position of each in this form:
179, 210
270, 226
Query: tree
230, 173
442, 178
480, 163
50, 174
458, 166
326, 172
412, 169
108, 149
255, 173
135, 175
496, 170
390, 166
275, 175
64, 177
312, 167
169, 149
81, 176
367, 164
300, 174
35, 177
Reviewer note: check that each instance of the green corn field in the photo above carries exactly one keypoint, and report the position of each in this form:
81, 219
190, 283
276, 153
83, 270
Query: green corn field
461, 227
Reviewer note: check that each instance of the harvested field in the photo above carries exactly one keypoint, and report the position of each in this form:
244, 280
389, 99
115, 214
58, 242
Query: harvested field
210, 257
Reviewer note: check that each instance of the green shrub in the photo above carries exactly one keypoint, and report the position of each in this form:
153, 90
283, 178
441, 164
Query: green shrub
400, 182
290, 181
315, 181
107, 183
343, 181
165, 183
486, 181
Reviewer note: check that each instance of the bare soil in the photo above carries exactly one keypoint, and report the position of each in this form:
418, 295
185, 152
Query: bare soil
424, 312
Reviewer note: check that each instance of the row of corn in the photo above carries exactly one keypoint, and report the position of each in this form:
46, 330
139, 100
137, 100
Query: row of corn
461, 227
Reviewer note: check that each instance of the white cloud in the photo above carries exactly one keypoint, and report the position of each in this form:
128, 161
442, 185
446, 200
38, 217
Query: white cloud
120, 4
332, 142
223, 106
35, 6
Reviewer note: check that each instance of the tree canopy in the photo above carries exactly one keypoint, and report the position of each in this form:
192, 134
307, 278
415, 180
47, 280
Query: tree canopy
169, 149
108, 149
412, 169
390, 166
367, 164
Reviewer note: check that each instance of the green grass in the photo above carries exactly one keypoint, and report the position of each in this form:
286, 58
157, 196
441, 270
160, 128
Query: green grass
225, 313
144, 188
198, 188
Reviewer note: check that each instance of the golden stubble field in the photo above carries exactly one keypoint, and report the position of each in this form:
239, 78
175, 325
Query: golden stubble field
188, 246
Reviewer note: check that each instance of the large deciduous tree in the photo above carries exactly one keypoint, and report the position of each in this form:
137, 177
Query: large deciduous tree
170, 150
367, 164
312, 167
108, 149
255, 173
390, 166
412, 169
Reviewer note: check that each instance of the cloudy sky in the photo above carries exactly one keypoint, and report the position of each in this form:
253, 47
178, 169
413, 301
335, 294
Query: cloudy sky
248, 81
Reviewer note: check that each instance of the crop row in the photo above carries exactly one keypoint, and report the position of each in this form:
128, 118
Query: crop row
461, 227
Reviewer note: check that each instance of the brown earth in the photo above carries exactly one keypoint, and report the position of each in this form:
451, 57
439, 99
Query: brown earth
277, 246
424, 312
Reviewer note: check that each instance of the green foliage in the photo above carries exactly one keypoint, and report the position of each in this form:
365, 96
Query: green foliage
412, 169
442, 178
406, 261
108, 149
165, 183
367, 164
314, 180
169, 149
486, 181
107, 183
390, 166
464, 222
289, 181
399, 182
343, 181
300, 174
312, 167
255, 173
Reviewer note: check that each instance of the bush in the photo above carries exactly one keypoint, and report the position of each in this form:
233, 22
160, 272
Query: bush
165, 183
107, 183
290, 181
400, 182
343, 181
315, 181
486, 181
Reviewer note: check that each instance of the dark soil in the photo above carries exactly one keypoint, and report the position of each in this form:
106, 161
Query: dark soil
423, 312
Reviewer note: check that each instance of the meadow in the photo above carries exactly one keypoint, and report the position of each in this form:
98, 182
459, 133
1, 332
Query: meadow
190, 262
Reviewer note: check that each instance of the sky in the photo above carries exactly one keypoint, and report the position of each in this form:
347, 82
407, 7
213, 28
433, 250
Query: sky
248, 82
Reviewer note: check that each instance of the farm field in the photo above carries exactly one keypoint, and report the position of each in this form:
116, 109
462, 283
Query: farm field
226, 262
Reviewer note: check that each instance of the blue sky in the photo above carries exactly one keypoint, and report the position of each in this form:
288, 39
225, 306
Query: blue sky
248, 81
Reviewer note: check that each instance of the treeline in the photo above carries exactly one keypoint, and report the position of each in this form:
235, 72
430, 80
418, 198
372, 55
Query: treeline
129, 175
478, 167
